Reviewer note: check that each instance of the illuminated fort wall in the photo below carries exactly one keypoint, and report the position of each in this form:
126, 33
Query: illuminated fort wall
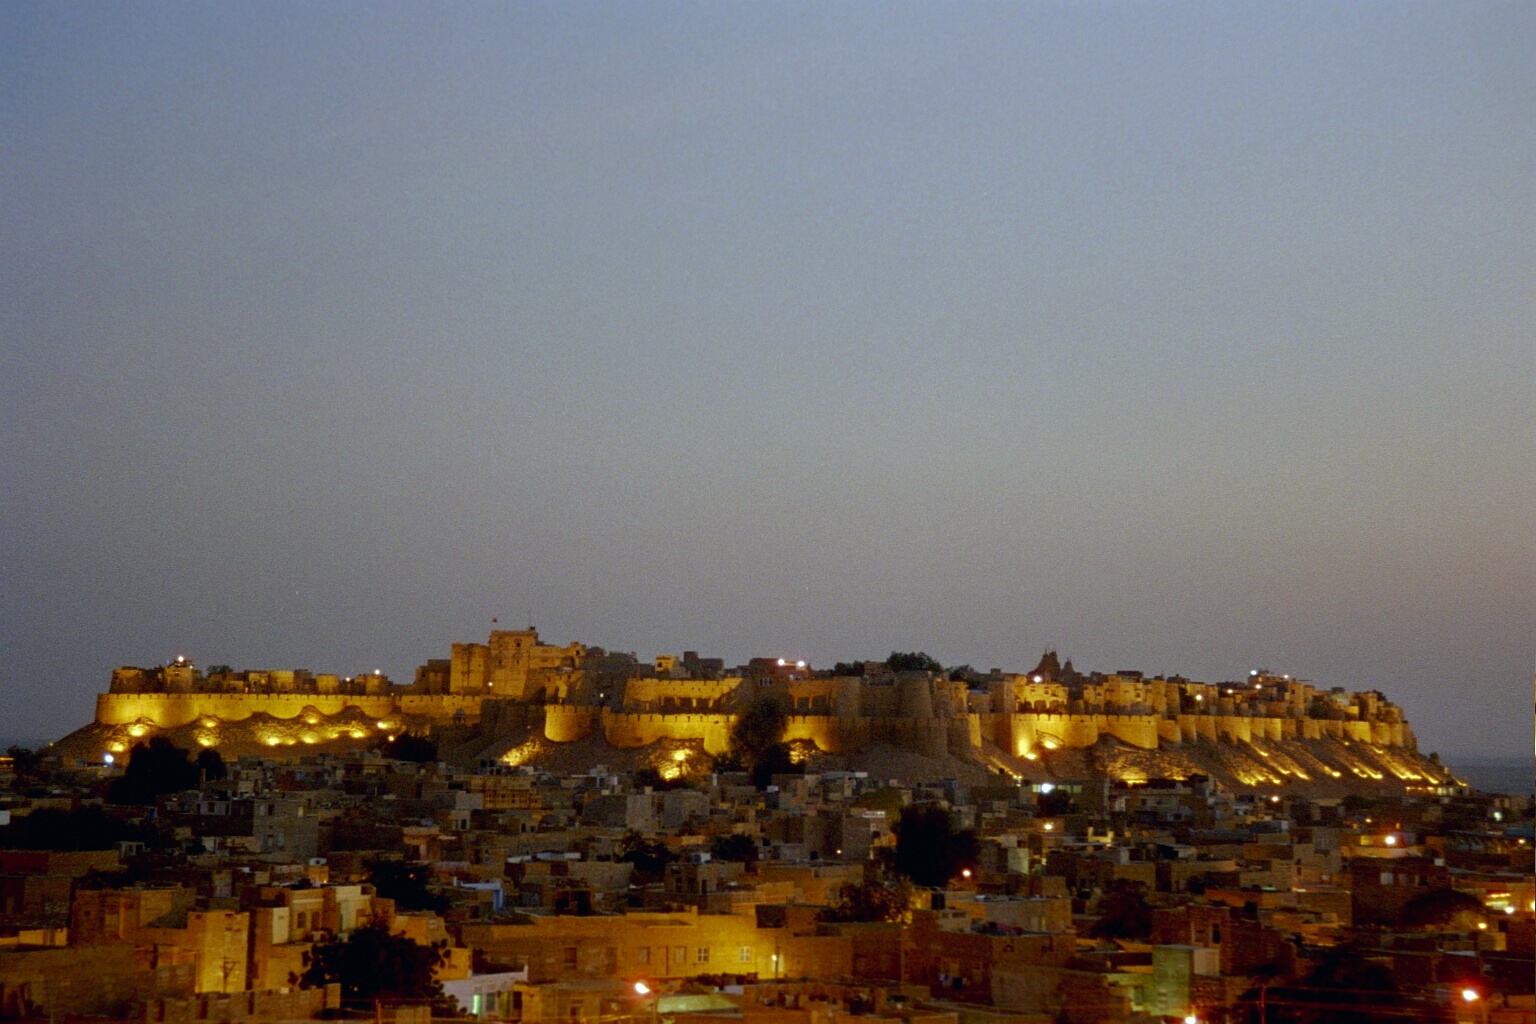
172, 710
523, 681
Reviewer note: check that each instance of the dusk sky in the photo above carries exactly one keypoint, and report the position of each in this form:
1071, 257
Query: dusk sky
1189, 338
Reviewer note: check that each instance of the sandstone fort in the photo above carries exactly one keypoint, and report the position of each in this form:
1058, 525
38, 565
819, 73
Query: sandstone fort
515, 695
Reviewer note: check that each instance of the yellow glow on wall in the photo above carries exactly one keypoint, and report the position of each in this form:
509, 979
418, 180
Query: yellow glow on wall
518, 755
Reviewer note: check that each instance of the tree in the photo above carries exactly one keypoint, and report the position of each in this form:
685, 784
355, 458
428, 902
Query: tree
156, 767
759, 727
776, 760
730, 761
757, 742
1055, 804
734, 847
410, 747
210, 764
373, 964
23, 760
1442, 908
649, 856
652, 777
407, 883
929, 849
1361, 989
1123, 913
914, 661
88, 828
872, 901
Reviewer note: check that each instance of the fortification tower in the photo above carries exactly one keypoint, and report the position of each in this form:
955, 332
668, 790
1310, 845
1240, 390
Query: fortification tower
914, 695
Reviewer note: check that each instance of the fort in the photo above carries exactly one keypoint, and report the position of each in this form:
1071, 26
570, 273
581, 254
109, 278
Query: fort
516, 686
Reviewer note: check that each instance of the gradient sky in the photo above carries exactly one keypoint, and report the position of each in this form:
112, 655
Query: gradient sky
1182, 337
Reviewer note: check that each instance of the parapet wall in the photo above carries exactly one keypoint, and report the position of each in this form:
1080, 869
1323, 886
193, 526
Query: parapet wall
650, 690
934, 734
172, 710
627, 731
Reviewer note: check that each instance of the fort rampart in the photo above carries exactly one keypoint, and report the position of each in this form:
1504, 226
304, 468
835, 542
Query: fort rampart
514, 684
173, 710
959, 734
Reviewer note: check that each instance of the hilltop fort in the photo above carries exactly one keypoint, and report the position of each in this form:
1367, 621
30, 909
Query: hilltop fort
516, 698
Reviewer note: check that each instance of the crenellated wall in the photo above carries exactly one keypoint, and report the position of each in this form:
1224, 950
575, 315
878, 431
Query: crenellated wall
705, 693
627, 731
913, 711
172, 710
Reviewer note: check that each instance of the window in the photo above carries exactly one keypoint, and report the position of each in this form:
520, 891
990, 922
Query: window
1386, 878
701, 955
744, 955
643, 955
679, 954
301, 922
570, 957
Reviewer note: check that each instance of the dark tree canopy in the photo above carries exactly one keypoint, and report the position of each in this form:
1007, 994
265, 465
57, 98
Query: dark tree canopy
160, 766
1440, 908
210, 764
929, 849
649, 856
1123, 913
776, 760
1361, 988
872, 901
410, 747
24, 761
734, 847
88, 828
1055, 804
757, 742
373, 964
912, 661
407, 883
759, 727
652, 777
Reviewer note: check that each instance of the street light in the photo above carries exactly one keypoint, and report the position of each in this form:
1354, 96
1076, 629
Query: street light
642, 990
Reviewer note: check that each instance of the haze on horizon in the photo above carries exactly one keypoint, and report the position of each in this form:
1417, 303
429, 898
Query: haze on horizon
1180, 338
